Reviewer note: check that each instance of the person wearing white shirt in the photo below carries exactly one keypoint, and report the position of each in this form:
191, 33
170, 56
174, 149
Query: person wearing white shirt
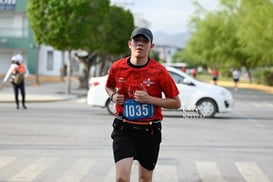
236, 77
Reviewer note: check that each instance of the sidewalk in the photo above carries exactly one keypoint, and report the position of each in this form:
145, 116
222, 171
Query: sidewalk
264, 88
45, 92
56, 91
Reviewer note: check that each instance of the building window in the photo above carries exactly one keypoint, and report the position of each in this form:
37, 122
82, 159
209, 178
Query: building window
49, 62
13, 25
8, 5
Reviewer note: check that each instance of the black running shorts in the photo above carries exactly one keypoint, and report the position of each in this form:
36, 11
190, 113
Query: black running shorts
142, 145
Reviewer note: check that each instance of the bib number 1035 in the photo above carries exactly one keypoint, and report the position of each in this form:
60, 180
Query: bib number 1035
134, 110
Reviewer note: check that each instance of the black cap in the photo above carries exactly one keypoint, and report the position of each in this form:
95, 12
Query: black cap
142, 31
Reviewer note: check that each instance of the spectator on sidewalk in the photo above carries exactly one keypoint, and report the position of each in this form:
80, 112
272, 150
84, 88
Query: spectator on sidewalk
215, 76
18, 72
183, 69
236, 77
194, 73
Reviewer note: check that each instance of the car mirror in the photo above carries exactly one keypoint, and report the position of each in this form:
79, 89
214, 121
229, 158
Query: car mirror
187, 82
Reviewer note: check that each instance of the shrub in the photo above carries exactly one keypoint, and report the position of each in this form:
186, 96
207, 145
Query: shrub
264, 76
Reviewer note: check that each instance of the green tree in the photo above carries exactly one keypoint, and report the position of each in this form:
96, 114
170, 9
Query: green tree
186, 57
113, 38
154, 55
120, 24
239, 34
255, 30
253, 36
67, 24
211, 40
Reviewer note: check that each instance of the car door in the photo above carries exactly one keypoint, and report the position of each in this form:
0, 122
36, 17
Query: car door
186, 91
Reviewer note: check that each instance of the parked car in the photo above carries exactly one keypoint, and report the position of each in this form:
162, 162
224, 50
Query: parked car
205, 98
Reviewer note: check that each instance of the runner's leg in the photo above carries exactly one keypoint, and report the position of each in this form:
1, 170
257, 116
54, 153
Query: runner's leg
15, 88
145, 175
23, 93
123, 170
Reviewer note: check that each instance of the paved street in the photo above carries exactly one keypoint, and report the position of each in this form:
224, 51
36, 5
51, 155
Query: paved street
70, 141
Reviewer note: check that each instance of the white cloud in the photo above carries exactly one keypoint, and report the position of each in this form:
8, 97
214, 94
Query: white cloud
169, 16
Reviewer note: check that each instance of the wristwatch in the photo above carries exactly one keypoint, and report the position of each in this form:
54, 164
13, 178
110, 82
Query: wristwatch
111, 97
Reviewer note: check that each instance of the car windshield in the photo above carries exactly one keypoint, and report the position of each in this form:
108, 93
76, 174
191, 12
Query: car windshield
178, 79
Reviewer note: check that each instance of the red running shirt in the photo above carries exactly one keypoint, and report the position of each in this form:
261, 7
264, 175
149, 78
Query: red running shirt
154, 77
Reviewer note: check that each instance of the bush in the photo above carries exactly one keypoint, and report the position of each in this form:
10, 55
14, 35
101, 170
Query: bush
268, 75
264, 76
226, 73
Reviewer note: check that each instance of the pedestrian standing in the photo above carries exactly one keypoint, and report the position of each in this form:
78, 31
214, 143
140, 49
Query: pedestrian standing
194, 73
135, 84
183, 69
236, 77
18, 72
215, 76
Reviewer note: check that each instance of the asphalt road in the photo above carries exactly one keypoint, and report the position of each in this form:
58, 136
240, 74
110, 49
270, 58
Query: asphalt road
70, 141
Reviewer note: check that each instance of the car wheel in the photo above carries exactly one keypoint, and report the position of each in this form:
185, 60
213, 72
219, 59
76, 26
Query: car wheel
111, 107
206, 108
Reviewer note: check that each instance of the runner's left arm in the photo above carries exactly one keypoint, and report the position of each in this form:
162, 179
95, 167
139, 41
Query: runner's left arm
168, 103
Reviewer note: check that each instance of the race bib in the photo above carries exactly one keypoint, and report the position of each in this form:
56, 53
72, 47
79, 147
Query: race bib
133, 110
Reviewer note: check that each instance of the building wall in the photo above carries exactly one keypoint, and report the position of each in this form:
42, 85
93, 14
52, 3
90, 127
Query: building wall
166, 52
52, 62
16, 36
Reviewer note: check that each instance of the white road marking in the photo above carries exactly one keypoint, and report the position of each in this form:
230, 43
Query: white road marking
77, 171
33, 170
166, 172
251, 172
5, 160
269, 105
208, 171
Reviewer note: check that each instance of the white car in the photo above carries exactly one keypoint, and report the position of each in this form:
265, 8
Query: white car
195, 95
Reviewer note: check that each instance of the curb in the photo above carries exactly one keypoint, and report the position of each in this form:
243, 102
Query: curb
9, 98
264, 88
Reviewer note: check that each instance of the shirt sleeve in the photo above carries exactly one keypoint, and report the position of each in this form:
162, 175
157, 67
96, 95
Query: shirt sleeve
110, 83
9, 72
168, 85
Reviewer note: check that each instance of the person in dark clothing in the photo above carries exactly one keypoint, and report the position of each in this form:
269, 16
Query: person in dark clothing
18, 72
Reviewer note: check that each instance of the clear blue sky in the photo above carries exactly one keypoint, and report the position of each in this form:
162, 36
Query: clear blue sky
169, 16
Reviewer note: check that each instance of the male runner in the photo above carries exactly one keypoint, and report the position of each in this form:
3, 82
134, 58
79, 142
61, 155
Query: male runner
136, 84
